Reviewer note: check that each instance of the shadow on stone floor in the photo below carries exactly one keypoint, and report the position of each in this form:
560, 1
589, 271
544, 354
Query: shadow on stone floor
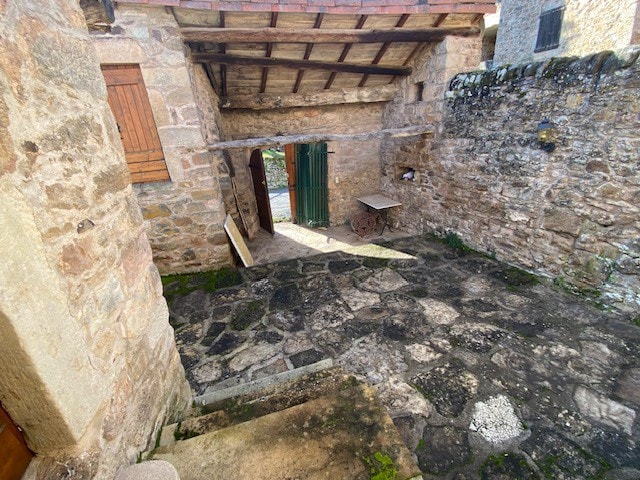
487, 372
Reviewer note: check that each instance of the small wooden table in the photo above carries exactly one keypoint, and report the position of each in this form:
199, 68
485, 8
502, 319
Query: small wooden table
381, 204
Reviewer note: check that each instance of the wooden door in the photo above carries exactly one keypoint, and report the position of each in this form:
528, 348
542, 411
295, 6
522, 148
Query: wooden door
290, 162
127, 97
312, 189
14, 453
256, 164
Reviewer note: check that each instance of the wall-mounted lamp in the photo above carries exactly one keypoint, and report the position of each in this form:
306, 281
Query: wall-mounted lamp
546, 135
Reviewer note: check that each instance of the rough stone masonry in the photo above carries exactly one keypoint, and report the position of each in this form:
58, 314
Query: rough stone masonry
571, 214
90, 368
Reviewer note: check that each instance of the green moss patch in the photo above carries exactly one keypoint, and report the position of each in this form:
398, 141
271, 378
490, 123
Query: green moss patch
381, 467
182, 284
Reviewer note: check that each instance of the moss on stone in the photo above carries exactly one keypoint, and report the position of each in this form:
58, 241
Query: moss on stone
381, 467
247, 314
182, 284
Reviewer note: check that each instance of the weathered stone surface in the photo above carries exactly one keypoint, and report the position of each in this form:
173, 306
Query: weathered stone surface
557, 213
448, 387
384, 281
90, 366
628, 386
442, 449
150, 470
495, 420
604, 409
559, 457
496, 359
506, 466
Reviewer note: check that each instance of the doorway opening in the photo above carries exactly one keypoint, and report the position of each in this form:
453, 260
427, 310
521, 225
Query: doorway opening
291, 185
277, 183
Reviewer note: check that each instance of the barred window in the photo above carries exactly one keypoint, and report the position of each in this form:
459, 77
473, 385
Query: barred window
549, 30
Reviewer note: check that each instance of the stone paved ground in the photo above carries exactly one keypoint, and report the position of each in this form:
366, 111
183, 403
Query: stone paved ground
486, 372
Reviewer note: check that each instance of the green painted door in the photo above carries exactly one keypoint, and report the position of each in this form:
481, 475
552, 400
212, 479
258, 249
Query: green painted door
312, 207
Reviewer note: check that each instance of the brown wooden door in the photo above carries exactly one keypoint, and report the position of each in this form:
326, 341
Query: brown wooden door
256, 164
127, 97
290, 162
14, 453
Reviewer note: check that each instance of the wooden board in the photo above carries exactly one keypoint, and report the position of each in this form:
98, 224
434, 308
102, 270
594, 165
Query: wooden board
238, 242
14, 453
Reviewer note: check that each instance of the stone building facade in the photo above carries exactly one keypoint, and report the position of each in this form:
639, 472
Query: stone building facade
184, 216
586, 27
571, 214
90, 370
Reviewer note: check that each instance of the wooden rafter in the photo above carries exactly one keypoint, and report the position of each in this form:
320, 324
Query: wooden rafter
385, 46
307, 53
317, 35
345, 52
265, 70
225, 59
223, 68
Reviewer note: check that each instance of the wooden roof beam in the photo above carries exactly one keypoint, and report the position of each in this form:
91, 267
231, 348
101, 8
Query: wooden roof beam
225, 59
384, 93
319, 35
322, 137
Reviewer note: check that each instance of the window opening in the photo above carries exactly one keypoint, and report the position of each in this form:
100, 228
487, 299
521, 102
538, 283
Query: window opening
549, 30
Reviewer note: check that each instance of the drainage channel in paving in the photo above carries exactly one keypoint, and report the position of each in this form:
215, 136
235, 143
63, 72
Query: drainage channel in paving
486, 372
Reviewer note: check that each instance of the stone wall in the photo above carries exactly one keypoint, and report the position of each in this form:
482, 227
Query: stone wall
570, 214
89, 364
587, 27
184, 216
354, 168
434, 65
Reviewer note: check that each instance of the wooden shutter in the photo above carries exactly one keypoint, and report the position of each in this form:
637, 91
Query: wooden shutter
549, 30
129, 102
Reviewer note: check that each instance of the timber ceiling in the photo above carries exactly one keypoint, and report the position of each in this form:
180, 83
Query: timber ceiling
252, 57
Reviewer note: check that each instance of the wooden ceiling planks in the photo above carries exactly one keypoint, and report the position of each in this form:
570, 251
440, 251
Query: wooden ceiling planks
252, 64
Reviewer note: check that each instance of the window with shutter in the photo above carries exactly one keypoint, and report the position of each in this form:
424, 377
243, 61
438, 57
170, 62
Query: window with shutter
549, 30
127, 97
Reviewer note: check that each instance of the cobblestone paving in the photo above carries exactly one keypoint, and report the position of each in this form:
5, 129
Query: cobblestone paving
486, 372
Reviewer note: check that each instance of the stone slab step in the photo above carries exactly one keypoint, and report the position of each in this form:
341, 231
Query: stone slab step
278, 394
346, 435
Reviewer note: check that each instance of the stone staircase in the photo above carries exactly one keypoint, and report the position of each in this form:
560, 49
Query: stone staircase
310, 423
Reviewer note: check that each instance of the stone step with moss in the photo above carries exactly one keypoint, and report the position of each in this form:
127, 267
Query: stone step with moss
344, 435
238, 404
